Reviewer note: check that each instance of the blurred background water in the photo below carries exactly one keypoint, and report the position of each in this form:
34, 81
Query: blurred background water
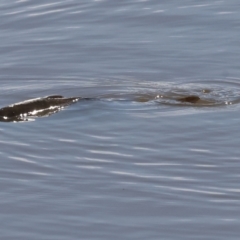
116, 169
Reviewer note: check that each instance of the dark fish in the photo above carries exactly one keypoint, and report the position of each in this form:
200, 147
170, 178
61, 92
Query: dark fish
35, 107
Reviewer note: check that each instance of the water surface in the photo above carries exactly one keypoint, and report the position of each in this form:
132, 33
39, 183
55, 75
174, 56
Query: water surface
116, 167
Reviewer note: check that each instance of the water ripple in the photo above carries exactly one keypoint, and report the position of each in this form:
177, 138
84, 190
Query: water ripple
110, 153
22, 159
174, 178
180, 189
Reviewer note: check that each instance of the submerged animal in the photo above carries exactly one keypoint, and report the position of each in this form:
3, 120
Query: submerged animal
35, 107
45, 106
189, 99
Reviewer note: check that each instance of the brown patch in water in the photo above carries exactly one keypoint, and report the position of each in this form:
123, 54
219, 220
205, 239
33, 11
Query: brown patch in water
189, 99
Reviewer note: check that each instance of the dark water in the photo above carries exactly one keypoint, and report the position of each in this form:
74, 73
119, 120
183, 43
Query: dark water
118, 168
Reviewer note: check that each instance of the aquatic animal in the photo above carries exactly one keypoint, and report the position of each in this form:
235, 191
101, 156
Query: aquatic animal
35, 107
45, 106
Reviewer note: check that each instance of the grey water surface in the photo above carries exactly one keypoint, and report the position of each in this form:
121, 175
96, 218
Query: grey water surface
117, 168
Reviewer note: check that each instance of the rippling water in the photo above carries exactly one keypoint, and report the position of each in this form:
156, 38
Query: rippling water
133, 164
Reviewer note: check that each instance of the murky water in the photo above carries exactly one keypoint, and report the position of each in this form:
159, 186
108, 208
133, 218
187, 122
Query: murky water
136, 163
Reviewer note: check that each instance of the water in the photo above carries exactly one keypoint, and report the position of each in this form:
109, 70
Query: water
116, 167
